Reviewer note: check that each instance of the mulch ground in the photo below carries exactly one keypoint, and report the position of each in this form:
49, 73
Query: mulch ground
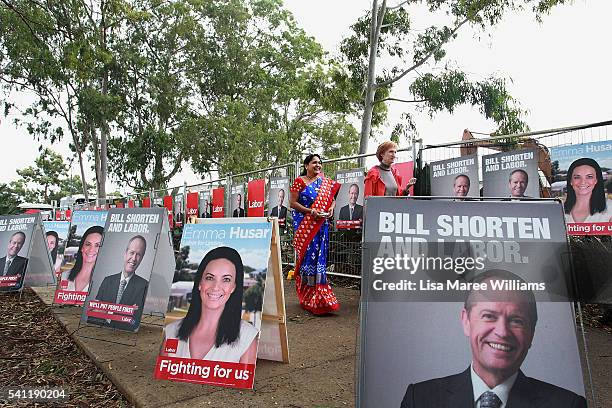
36, 351
592, 316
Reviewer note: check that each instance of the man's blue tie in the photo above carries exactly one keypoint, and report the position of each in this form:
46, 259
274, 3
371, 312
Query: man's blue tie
122, 286
490, 400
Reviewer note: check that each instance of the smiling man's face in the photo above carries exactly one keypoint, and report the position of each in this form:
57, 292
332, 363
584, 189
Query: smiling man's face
500, 335
133, 256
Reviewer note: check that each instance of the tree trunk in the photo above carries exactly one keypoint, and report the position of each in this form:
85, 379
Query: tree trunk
370, 90
77, 147
96, 148
104, 128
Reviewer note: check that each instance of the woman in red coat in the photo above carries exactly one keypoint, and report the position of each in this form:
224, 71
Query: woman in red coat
383, 179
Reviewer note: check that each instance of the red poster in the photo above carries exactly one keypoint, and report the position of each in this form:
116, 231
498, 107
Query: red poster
68, 215
589, 228
192, 205
130, 203
256, 193
235, 375
168, 204
146, 202
58, 215
218, 202
406, 171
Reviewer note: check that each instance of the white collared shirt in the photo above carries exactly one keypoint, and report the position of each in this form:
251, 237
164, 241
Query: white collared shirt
7, 264
127, 279
502, 390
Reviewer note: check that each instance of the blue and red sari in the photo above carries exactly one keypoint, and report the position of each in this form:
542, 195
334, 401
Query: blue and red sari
311, 243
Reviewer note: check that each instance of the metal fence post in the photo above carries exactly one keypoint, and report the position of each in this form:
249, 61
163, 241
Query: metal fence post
228, 195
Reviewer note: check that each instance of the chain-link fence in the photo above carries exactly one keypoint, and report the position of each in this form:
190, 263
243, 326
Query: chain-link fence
288, 171
345, 244
344, 257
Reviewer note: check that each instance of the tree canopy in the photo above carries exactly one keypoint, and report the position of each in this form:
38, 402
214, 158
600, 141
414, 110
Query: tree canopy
47, 181
418, 55
225, 85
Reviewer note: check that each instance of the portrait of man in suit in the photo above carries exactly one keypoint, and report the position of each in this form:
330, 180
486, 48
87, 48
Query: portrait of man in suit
352, 211
238, 211
517, 183
500, 326
279, 210
12, 264
179, 215
461, 186
206, 213
125, 287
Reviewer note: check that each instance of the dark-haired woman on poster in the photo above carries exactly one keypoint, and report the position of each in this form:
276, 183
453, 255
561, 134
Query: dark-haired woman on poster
312, 199
52, 242
80, 275
586, 198
213, 328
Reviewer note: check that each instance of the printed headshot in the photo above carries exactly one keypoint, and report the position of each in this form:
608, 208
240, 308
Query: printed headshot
352, 211
77, 279
586, 199
13, 264
280, 209
511, 175
126, 287
517, 183
213, 328
500, 326
456, 177
461, 186
238, 206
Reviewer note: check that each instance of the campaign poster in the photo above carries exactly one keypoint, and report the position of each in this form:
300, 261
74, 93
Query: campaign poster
256, 193
56, 235
477, 291
134, 203
218, 202
121, 276
456, 177
179, 210
279, 199
146, 202
168, 202
205, 204
192, 207
582, 178
220, 279
84, 241
348, 213
15, 244
237, 200
512, 175
406, 172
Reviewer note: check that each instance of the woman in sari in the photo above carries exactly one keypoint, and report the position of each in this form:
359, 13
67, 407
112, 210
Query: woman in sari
313, 200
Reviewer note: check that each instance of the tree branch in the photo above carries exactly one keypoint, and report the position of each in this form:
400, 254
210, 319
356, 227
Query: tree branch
177, 167
423, 60
23, 19
400, 100
399, 5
